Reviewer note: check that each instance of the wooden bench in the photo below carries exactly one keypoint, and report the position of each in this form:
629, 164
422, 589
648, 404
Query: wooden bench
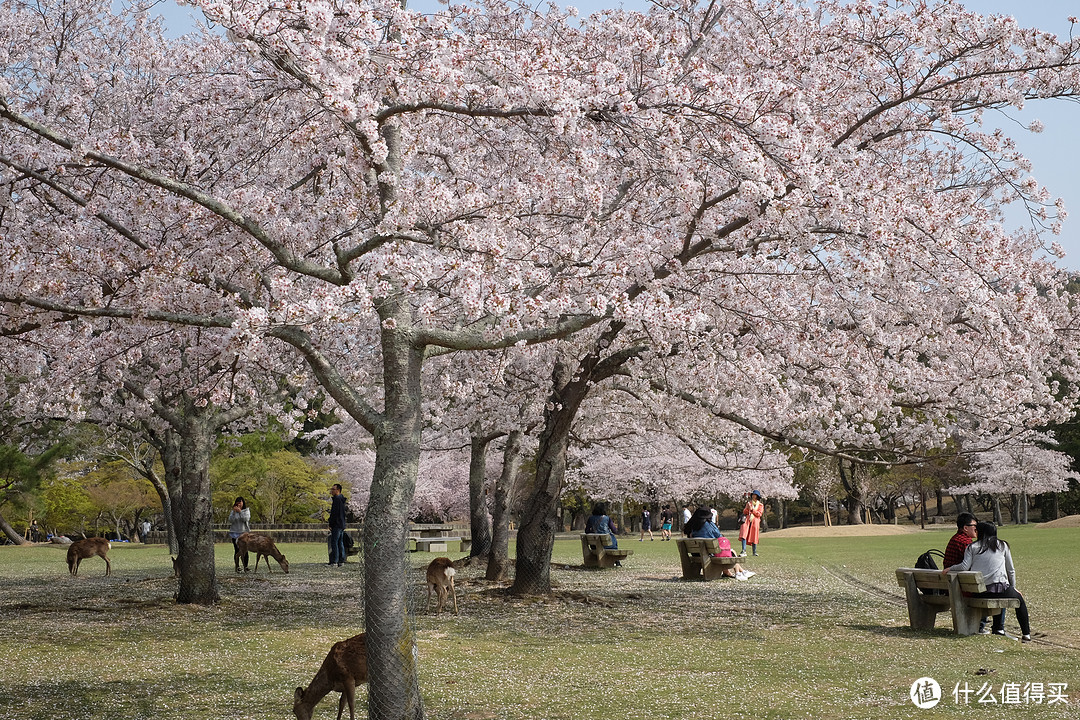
698, 559
596, 555
966, 611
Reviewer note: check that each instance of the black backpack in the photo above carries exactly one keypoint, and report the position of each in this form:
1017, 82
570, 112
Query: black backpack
926, 562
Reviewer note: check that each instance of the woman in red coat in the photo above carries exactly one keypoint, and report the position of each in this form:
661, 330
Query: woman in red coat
750, 524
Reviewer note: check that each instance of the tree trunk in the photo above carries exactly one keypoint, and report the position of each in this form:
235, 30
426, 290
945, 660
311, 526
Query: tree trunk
856, 493
174, 489
539, 520
499, 558
996, 505
194, 513
393, 684
478, 511
571, 382
15, 537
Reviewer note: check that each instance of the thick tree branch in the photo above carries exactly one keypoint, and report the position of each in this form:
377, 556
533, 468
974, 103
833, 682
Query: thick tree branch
285, 257
329, 378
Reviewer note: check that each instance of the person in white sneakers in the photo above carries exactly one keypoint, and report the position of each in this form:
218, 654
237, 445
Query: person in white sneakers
991, 556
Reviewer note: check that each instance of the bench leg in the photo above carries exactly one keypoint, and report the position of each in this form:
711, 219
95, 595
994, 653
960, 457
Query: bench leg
965, 619
714, 571
921, 616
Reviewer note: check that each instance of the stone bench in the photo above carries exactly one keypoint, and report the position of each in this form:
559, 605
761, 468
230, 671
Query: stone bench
699, 559
598, 556
948, 593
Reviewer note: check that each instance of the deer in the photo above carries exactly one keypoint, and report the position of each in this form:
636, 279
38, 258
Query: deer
86, 548
344, 668
263, 546
440, 578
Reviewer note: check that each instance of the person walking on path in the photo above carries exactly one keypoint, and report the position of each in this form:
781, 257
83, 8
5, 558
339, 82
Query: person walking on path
646, 524
337, 526
239, 523
750, 523
991, 556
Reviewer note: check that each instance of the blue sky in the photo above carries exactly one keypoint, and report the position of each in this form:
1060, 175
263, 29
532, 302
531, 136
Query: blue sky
1054, 153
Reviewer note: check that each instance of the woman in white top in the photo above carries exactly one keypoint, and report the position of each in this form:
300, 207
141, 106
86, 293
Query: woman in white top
990, 556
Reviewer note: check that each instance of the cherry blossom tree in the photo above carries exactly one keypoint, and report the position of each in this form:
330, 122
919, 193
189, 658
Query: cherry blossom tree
791, 211
495, 397
1019, 466
622, 450
844, 282
172, 388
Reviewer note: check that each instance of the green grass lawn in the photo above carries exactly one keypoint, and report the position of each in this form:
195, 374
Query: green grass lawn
820, 632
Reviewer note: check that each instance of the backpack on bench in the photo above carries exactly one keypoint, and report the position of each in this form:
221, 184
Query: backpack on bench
926, 562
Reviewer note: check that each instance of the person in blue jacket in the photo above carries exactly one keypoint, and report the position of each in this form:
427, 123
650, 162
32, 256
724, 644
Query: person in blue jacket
702, 526
599, 523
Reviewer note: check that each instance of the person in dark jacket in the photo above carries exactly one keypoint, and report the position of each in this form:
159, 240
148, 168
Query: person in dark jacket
599, 523
337, 526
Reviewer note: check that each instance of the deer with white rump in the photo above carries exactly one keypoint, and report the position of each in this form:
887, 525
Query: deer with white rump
87, 548
344, 668
263, 546
440, 578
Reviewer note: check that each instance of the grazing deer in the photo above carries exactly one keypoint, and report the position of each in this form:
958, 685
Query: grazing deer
344, 668
85, 548
263, 546
440, 578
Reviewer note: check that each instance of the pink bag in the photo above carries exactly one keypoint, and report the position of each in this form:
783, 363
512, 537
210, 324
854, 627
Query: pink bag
725, 547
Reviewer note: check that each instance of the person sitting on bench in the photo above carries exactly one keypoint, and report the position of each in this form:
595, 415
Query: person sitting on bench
991, 556
701, 526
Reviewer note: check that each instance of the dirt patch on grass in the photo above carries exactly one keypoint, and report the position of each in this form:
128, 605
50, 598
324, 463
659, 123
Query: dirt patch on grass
843, 531
1067, 521
867, 530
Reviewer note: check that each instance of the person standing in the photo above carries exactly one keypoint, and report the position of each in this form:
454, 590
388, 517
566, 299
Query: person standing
667, 517
646, 524
337, 526
750, 524
991, 556
239, 523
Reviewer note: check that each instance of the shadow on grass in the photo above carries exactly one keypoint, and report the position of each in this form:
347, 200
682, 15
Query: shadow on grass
901, 632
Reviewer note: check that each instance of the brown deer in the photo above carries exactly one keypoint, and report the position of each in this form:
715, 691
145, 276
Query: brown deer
440, 578
344, 668
86, 548
263, 546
